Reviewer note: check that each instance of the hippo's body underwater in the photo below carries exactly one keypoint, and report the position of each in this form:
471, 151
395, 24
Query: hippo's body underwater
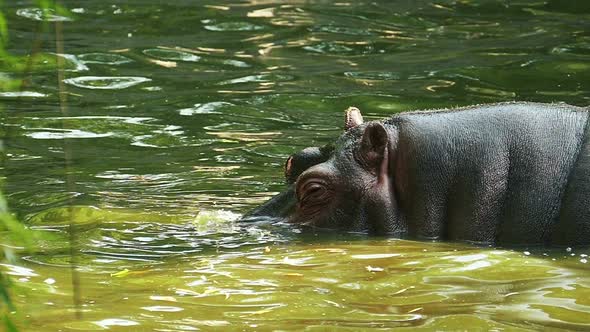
508, 174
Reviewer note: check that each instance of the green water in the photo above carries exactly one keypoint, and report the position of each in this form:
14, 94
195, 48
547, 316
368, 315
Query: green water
179, 118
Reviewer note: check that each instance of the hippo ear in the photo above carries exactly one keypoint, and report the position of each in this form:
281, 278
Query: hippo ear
373, 151
352, 118
289, 168
304, 159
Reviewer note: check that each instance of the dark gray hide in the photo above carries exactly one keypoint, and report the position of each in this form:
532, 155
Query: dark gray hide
509, 173
283, 204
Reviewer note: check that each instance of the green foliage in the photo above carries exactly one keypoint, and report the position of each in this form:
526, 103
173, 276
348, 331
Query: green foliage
12, 231
17, 234
6, 305
29, 63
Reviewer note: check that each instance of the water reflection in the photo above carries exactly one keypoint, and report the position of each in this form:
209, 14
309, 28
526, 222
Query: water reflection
103, 59
181, 117
167, 54
239, 275
38, 14
20, 94
107, 83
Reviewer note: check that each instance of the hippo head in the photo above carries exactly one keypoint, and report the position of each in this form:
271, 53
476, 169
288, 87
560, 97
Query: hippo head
345, 186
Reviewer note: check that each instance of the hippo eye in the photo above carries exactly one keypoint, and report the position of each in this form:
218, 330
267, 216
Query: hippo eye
313, 192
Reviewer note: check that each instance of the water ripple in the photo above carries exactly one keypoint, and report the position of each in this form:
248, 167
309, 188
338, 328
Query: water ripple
237, 87
104, 59
66, 133
206, 108
105, 82
38, 14
329, 48
20, 94
230, 26
109, 322
170, 54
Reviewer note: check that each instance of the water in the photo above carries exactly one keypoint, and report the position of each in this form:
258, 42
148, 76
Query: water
179, 119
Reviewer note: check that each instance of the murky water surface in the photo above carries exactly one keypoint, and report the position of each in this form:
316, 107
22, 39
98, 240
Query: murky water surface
178, 119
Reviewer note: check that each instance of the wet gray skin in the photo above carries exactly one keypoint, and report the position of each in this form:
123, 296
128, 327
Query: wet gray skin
281, 206
508, 173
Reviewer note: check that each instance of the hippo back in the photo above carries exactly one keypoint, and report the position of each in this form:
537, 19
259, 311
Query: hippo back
503, 173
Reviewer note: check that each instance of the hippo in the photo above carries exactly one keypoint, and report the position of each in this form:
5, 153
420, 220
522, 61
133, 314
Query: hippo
514, 173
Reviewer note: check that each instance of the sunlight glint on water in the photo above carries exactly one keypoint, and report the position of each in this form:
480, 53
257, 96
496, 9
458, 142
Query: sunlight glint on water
180, 117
